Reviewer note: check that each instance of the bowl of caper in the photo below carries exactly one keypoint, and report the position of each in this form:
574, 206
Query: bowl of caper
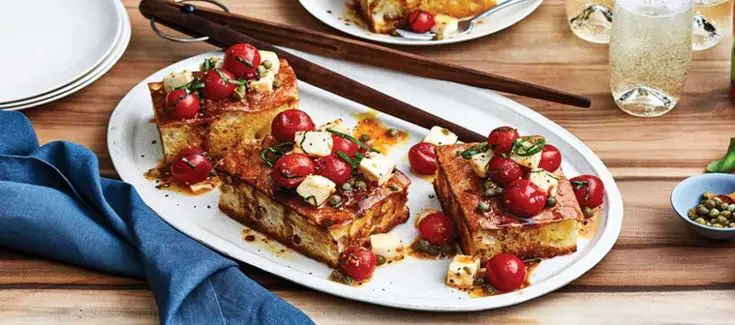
707, 203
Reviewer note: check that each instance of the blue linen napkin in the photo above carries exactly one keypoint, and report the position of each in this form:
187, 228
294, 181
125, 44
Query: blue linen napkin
54, 204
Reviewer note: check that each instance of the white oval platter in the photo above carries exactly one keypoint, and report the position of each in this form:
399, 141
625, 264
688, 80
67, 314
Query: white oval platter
335, 12
412, 283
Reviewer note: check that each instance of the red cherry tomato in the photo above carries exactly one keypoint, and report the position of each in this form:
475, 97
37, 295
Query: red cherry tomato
501, 139
505, 272
423, 158
358, 262
343, 145
285, 125
291, 169
437, 229
503, 171
420, 21
180, 104
217, 88
550, 158
242, 60
524, 199
191, 165
334, 168
589, 190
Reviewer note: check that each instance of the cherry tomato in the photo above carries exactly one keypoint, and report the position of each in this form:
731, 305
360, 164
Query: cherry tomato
242, 60
501, 139
285, 125
291, 169
191, 165
217, 88
589, 190
423, 158
503, 171
524, 199
437, 228
358, 262
180, 104
550, 158
505, 272
334, 168
420, 21
343, 145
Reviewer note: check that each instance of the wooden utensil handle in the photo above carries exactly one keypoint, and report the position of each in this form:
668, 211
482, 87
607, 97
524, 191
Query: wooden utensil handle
306, 71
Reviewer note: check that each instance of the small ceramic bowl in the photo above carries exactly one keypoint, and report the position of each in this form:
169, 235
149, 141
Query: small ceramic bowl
686, 195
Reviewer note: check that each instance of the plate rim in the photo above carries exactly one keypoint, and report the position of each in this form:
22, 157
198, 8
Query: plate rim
578, 268
399, 41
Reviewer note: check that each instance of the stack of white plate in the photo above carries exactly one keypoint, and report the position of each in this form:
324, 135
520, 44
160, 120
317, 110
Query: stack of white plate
51, 49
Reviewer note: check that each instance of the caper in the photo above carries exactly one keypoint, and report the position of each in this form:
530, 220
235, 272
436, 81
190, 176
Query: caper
392, 133
710, 204
588, 212
721, 220
550, 202
499, 191
364, 138
338, 276
727, 214
708, 195
334, 201
277, 83
490, 192
700, 221
381, 259
433, 250
732, 225
731, 207
483, 207
360, 185
421, 245
262, 70
447, 249
713, 213
702, 211
478, 281
347, 187
717, 225
489, 184
717, 200
267, 64
723, 206
692, 213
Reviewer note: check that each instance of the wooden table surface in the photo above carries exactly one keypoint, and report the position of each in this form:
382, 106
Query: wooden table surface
658, 272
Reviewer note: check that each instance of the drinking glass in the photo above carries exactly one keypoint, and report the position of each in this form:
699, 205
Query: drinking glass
591, 20
711, 22
650, 54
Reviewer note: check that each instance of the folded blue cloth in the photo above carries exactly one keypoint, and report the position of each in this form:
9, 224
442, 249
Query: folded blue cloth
54, 204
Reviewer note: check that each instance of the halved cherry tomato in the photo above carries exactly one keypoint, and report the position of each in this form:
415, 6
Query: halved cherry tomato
589, 190
501, 139
550, 158
215, 87
524, 199
343, 145
334, 168
422, 157
180, 104
285, 125
505, 272
420, 21
242, 60
437, 228
291, 169
358, 262
191, 165
503, 171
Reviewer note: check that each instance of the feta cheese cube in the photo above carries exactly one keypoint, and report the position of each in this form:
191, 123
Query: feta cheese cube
177, 79
445, 26
316, 189
377, 167
387, 245
440, 136
479, 163
313, 143
527, 161
272, 57
264, 84
462, 271
546, 181
336, 125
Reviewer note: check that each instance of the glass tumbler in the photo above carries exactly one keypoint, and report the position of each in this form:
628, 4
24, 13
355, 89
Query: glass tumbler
650, 54
590, 20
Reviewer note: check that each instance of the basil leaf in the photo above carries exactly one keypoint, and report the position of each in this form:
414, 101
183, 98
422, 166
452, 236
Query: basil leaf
727, 163
528, 146
473, 150
272, 154
228, 80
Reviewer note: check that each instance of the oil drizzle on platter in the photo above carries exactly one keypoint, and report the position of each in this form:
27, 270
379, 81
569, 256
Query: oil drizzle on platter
378, 136
262, 242
588, 226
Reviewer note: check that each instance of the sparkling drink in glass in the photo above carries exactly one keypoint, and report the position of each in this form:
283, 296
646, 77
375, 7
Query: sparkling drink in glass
650, 54
711, 22
590, 20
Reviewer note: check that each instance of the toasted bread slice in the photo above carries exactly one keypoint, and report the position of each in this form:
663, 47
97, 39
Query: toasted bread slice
459, 190
384, 16
223, 124
250, 196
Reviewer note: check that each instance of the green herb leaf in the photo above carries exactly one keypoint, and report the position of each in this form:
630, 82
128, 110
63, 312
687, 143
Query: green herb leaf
473, 150
270, 155
228, 80
727, 163
244, 61
528, 146
351, 138
346, 158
